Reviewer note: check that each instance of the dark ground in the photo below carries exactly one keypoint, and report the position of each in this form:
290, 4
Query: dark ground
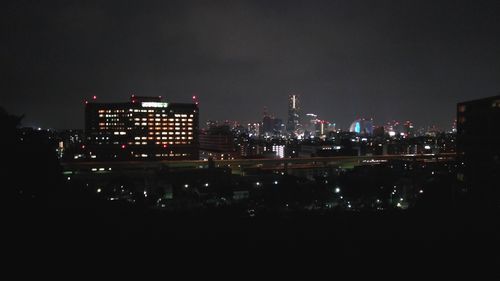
451, 243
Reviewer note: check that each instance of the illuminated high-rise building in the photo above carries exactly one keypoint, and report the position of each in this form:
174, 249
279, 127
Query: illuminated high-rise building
143, 128
293, 124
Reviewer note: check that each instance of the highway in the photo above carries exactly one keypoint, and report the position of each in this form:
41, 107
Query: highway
240, 164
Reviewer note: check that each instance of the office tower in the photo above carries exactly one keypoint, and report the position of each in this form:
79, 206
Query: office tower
293, 124
143, 128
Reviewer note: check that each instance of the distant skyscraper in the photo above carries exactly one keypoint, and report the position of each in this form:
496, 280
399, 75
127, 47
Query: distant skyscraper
310, 124
293, 123
278, 126
271, 126
267, 125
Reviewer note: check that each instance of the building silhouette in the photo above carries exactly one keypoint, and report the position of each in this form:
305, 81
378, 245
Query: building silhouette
478, 148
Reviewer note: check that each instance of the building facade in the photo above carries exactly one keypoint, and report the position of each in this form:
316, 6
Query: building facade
218, 146
143, 128
478, 149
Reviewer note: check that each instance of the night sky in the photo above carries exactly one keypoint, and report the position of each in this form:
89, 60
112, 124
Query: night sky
382, 59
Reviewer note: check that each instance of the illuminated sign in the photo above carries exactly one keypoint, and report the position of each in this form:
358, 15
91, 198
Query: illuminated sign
154, 104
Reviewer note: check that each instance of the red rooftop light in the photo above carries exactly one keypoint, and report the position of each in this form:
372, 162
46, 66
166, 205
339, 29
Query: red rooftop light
94, 97
123, 146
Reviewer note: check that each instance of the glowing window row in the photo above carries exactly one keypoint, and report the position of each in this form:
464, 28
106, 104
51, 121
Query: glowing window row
164, 119
111, 111
159, 142
171, 155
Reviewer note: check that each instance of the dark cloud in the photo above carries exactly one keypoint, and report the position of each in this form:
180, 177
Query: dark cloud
382, 59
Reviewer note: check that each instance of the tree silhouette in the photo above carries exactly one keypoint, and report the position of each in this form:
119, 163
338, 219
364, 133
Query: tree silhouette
31, 172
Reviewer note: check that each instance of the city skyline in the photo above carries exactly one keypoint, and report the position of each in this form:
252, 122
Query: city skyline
386, 60
297, 136
256, 119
